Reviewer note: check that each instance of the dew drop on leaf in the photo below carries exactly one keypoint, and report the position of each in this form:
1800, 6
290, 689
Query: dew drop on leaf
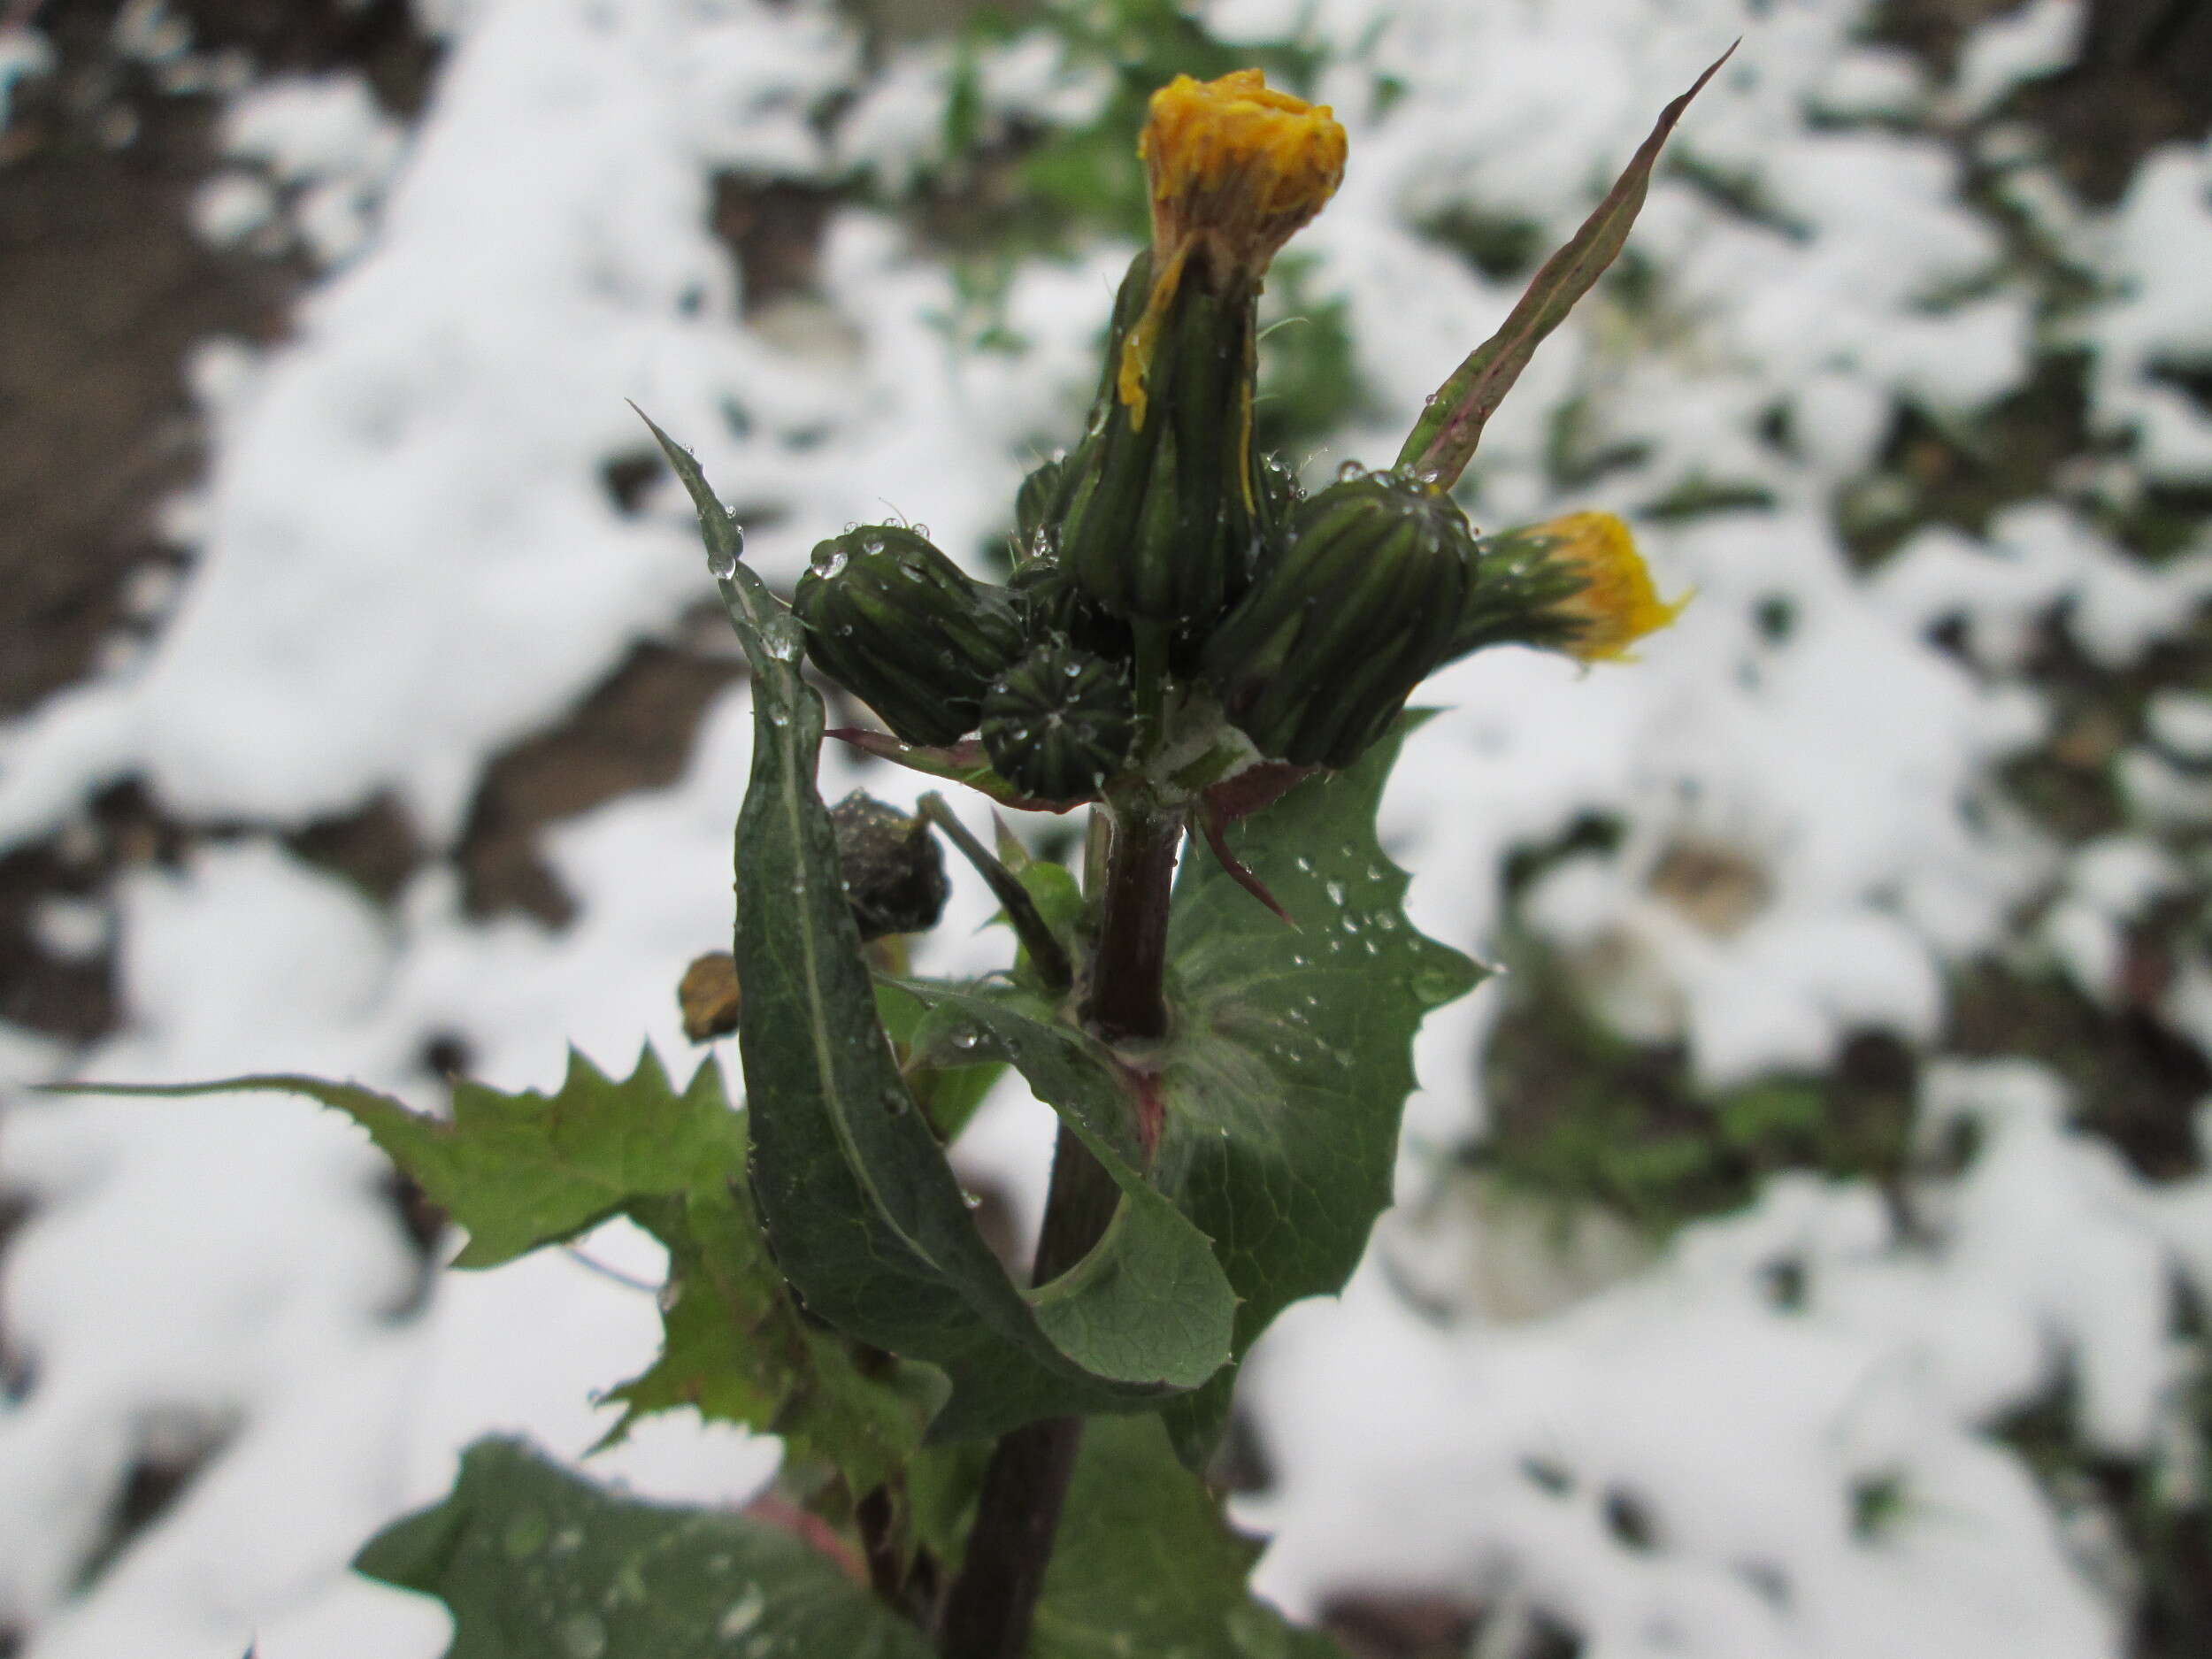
781, 639
722, 561
742, 1614
526, 1534
582, 1636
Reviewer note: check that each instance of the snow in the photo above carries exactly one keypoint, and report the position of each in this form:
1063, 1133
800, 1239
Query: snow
404, 560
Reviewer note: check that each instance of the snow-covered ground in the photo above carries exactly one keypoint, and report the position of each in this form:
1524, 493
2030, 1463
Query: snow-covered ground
406, 561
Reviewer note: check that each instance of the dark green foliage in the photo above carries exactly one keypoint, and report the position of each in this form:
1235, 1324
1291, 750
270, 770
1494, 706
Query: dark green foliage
1058, 724
1271, 1115
535, 1564
1356, 609
1146, 1565
867, 1220
904, 628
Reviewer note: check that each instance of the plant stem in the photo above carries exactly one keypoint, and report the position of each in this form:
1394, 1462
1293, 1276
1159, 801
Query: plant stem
1128, 975
991, 1605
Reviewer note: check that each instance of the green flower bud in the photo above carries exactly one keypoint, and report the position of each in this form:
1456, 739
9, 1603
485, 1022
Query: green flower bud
1036, 510
1058, 724
1158, 505
894, 870
1357, 608
904, 628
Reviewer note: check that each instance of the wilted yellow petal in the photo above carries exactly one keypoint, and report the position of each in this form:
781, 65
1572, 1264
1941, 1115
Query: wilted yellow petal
1618, 605
1235, 168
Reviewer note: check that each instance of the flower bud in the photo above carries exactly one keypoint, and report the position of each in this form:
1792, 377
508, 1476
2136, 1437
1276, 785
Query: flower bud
1036, 510
1574, 585
902, 627
1355, 610
1159, 507
1059, 723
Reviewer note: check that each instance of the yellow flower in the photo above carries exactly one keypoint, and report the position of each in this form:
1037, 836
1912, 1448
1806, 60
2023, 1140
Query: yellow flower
1235, 168
1617, 604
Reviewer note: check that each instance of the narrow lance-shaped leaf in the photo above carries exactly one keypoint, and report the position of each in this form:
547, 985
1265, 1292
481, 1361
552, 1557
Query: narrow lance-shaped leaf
867, 1219
1443, 441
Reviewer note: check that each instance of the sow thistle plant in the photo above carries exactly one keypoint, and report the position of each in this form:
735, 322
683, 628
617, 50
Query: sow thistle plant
982, 1464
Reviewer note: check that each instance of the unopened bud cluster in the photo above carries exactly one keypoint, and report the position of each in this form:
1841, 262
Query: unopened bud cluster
1165, 538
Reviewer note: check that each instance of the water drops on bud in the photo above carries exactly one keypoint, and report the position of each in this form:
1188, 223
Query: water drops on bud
1352, 609
900, 626
1059, 723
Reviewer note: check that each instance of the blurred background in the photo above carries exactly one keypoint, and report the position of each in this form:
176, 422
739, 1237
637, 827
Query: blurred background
1805, 1244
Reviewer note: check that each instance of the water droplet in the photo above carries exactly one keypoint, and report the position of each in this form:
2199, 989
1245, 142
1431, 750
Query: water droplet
1349, 470
525, 1534
778, 717
671, 1293
1336, 892
582, 1636
742, 1614
829, 559
782, 638
722, 561
963, 1037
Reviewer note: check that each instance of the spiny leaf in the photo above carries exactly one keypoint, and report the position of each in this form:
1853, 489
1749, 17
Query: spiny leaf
1269, 1117
1294, 1051
534, 1563
1146, 1564
1443, 440
866, 1217
522, 1171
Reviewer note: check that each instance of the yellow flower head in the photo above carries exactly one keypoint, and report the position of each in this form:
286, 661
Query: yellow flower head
1616, 604
1235, 168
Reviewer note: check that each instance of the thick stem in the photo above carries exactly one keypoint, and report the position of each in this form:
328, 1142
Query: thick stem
988, 1613
1128, 974
991, 1605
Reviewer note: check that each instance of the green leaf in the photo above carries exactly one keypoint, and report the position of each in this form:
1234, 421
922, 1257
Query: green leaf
523, 1170
1154, 1279
866, 1217
519, 1170
535, 1564
1146, 1564
1269, 1117
1443, 441
1291, 1057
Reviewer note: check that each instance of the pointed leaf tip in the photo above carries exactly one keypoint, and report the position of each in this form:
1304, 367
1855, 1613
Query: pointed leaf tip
1443, 441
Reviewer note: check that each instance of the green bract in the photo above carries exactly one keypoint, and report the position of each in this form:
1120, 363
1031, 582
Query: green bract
904, 628
1058, 724
1156, 513
1355, 610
